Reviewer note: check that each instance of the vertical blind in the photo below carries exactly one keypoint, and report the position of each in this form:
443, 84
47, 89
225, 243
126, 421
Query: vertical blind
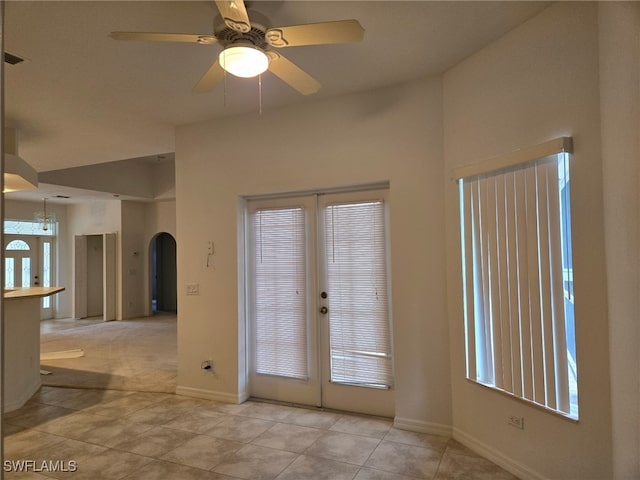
359, 330
280, 292
514, 302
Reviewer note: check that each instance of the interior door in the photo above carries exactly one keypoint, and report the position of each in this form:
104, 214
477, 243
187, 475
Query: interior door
28, 263
319, 329
109, 276
281, 300
84, 275
355, 313
80, 307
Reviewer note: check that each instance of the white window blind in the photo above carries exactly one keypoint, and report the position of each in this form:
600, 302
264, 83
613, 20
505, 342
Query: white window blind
515, 243
279, 297
360, 341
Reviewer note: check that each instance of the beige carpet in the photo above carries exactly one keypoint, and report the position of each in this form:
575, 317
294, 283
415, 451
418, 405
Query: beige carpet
137, 355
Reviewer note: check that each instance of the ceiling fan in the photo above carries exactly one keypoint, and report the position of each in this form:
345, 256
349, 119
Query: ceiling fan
247, 45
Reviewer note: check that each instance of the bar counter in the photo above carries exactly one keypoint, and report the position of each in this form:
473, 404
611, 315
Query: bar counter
22, 343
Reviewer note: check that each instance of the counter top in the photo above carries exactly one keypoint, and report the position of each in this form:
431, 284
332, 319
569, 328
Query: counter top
31, 292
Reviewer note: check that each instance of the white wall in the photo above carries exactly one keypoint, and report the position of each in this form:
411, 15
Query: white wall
619, 25
392, 134
164, 181
536, 83
125, 178
160, 216
134, 275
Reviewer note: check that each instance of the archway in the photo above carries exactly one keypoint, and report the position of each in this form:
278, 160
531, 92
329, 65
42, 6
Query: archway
164, 284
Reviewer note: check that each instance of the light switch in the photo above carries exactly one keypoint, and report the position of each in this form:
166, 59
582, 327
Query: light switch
193, 289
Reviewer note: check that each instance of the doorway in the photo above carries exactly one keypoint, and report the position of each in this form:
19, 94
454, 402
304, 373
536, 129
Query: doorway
28, 263
319, 318
95, 276
164, 284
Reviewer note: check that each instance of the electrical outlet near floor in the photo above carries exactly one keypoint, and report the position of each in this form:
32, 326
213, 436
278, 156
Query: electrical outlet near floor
516, 421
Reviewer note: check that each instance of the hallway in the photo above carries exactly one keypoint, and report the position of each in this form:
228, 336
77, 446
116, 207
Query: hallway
136, 355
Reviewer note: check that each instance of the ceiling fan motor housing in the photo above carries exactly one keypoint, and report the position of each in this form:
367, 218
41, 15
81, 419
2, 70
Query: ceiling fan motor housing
255, 36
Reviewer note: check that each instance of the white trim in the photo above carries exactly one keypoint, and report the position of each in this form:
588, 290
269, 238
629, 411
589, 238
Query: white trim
27, 393
517, 157
422, 427
210, 395
381, 185
521, 471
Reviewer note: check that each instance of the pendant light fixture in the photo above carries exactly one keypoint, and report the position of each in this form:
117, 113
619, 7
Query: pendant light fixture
45, 219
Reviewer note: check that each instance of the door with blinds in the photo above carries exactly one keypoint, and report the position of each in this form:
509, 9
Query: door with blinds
318, 301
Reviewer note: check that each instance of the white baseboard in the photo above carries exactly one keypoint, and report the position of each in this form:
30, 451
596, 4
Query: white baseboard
24, 396
210, 395
422, 427
519, 470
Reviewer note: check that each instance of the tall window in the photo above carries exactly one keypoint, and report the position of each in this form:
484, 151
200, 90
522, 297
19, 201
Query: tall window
358, 302
518, 281
46, 270
280, 292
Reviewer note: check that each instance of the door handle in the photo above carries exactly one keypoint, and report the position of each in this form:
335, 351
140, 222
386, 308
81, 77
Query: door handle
324, 310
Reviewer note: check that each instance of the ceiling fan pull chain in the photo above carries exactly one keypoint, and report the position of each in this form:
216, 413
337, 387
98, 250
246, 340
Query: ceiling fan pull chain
260, 94
224, 93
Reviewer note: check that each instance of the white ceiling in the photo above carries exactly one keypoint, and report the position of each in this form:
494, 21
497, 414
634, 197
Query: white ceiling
83, 98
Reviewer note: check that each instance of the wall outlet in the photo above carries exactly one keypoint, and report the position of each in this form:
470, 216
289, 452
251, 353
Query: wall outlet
516, 421
193, 289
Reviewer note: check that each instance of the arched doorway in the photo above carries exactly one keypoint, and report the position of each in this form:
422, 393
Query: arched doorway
164, 284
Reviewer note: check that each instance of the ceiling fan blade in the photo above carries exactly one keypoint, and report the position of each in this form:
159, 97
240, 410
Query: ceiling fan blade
210, 79
292, 75
164, 37
340, 31
234, 14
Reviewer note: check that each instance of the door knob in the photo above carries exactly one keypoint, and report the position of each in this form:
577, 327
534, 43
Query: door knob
324, 310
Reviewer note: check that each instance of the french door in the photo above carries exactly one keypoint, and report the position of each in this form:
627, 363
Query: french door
28, 264
318, 301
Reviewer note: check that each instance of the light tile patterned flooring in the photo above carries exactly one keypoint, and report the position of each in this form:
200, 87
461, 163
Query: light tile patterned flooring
147, 436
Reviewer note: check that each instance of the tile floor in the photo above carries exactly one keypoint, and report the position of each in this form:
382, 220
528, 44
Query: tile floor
115, 435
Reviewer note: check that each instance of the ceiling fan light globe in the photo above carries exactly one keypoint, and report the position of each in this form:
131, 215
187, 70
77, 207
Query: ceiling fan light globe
243, 61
